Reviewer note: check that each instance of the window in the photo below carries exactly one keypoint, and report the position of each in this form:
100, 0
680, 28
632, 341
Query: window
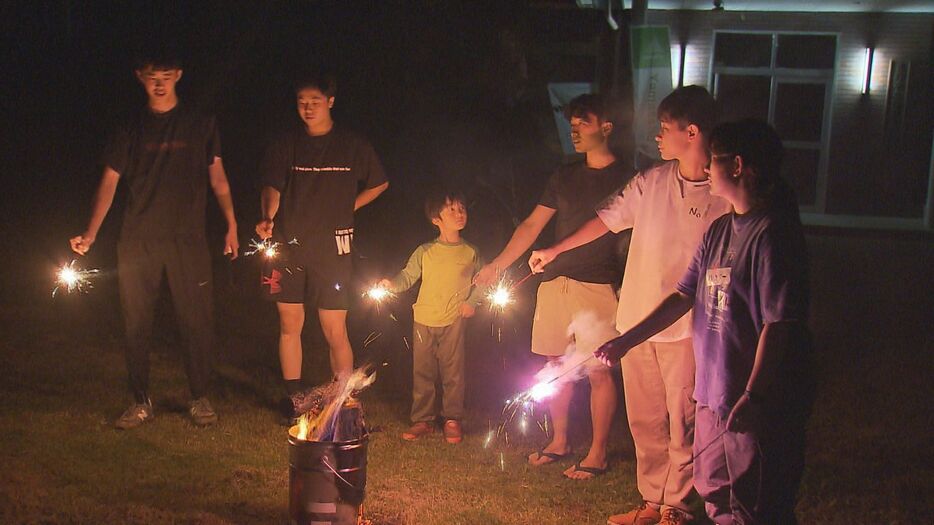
785, 79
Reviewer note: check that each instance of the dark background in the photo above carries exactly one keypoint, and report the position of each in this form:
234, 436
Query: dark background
450, 94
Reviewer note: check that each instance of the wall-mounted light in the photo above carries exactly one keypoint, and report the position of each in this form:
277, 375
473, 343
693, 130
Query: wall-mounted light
866, 79
678, 52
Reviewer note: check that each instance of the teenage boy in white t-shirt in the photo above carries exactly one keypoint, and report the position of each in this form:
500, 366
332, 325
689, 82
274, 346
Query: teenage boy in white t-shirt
668, 207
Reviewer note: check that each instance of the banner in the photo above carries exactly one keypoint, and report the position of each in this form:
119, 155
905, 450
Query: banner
651, 82
560, 93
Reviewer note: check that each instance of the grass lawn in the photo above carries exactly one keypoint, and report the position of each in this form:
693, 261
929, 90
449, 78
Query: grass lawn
870, 455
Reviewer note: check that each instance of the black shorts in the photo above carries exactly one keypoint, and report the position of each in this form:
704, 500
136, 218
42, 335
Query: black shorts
323, 282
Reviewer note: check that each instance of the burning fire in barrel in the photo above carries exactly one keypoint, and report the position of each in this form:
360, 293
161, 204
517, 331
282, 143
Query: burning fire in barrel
327, 456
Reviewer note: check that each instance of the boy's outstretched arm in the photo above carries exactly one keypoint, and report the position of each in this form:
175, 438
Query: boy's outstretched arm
409, 275
221, 188
589, 232
521, 240
103, 199
667, 312
367, 196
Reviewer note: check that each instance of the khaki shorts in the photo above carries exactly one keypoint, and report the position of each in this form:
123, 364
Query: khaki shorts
570, 312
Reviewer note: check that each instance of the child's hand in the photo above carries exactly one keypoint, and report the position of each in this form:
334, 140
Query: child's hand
384, 283
467, 311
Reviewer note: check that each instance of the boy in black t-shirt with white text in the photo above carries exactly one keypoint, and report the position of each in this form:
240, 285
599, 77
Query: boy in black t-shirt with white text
312, 180
166, 154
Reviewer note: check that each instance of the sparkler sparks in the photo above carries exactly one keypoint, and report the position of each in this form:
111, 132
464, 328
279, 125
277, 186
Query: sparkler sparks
73, 279
267, 247
523, 404
499, 297
379, 293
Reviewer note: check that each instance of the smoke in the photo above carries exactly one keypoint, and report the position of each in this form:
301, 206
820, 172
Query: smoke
575, 364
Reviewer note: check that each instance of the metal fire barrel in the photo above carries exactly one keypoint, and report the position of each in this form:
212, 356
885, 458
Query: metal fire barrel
327, 479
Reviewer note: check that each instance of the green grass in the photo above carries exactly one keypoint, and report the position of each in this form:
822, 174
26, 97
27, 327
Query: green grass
62, 385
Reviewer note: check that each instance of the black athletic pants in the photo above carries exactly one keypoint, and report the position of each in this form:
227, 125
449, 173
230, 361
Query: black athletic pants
187, 265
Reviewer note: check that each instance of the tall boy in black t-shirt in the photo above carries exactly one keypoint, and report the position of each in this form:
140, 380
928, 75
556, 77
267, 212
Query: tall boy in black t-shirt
166, 154
313, 181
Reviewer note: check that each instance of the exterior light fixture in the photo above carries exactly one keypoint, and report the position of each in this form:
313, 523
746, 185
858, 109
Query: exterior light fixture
866, 82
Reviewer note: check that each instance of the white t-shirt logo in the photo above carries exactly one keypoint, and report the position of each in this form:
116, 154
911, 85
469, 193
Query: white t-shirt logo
343, 238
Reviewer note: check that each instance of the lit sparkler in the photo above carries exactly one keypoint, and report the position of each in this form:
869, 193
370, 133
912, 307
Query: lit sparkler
73, 279
379, 293
523, 405
500, 296
267, 247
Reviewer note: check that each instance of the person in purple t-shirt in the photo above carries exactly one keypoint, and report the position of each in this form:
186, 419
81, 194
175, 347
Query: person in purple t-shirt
747, 285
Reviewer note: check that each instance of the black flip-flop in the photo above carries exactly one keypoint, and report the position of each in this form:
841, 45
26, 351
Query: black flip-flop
593, 471
552, 457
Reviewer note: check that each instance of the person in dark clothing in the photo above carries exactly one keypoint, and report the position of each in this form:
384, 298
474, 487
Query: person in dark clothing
575, 304
167, 153
313, 181
748, 287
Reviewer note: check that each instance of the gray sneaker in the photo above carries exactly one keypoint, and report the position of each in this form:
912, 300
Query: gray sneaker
136, 415
202, 414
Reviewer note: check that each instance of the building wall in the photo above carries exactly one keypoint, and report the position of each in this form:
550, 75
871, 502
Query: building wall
869, 174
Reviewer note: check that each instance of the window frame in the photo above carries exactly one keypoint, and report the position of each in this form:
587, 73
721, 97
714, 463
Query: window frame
785, 75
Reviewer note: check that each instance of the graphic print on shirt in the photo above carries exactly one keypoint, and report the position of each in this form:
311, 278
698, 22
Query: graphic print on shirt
717, 281
696, 212
343, 238
274, 282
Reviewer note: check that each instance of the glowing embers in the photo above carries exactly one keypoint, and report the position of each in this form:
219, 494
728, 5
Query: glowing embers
73, 279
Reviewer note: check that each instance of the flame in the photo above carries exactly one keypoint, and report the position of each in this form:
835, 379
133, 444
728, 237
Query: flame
302, 427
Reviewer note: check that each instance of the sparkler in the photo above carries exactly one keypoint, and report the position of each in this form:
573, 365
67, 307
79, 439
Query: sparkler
523, 404
500, 296
267, 247
73, 279
378, 293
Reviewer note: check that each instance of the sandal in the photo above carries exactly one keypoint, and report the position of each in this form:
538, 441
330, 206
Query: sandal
593, 471
551, 457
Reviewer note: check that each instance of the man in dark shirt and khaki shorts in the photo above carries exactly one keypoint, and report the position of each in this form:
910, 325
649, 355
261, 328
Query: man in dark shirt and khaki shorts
576, 303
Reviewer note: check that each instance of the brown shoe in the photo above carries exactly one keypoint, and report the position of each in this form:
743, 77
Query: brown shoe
673, 516
452, 432
642, 515
418, 430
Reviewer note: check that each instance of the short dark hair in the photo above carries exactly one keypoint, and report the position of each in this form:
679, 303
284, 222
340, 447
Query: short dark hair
582, 105
436, 201
160, 57
760, 147
690, 105
323, 81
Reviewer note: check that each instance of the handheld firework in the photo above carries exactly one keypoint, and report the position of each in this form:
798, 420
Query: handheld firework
73, 279
523, 404
267, 247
